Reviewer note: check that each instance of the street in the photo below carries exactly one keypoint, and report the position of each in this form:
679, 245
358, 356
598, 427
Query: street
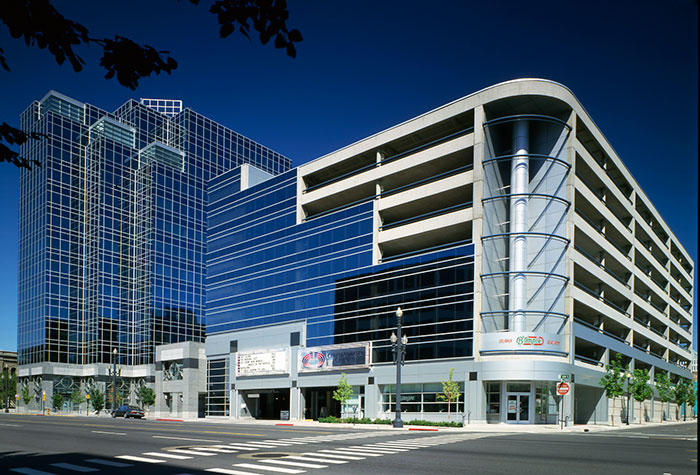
39, 445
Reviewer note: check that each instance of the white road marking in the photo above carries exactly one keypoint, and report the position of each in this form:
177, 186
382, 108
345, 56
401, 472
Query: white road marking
167, 456
110, 433
139, 459
293, 464
286, 441
191, 452
261, 445
184, 438
75, 468
11, 425
214, 449
314, 459
385, 451
269, 469
228, 471
351, 452
241, 447
344, 457
29, 471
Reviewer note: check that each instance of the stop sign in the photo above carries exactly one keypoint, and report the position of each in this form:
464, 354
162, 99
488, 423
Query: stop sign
562, 388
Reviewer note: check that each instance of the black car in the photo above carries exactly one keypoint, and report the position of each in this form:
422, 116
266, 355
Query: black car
127, 411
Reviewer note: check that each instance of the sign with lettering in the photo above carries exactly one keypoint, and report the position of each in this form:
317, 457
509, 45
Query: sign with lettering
257, 363
562, 388
334, 357
525, 342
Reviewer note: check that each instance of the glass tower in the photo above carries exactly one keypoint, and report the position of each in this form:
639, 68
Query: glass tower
112, 227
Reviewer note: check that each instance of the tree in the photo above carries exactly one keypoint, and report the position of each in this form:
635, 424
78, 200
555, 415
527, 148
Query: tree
684, 394
665, 389
39, 24
97, 399
57, 401
26, 395
450, 392
640, 388
147, 396
11, 388
344, 392
614, 382
76, 398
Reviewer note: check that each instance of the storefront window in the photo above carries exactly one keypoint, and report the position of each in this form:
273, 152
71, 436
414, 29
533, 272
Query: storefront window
493, 401
419, 398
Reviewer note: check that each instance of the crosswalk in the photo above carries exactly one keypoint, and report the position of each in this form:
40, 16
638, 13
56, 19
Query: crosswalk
288, 462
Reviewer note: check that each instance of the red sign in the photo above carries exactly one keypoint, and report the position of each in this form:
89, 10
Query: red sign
562, 388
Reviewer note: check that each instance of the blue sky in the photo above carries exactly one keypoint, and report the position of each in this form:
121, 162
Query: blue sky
366, 65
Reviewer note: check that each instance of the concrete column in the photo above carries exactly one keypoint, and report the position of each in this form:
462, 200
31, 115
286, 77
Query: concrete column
294, 404
519, 180
372, 401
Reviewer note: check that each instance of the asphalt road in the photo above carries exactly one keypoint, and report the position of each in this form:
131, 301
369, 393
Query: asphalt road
36, 445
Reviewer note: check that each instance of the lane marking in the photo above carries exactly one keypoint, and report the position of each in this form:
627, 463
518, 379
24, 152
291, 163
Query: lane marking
381, 451
344, 457
11, 425
228, 471
139, 459
269, 469
293, 464
192, 452
214, 449
75, 468
105, 432
29, 471
110, 463
240, 447
167, 456
351, 452
184, 438
314, 459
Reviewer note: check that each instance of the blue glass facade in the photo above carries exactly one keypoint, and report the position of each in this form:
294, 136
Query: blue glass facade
112, 228
264, 267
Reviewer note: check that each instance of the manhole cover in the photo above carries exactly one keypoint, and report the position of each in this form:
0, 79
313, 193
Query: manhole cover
266, 455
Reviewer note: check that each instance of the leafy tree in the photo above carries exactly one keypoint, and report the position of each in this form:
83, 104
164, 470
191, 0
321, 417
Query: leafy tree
26, 395
11, 388
450, 392
39, 24
684, 394
614, 382
640, 388
57, 401
97, 399
665, 389
76, 398
147, 396
344, 391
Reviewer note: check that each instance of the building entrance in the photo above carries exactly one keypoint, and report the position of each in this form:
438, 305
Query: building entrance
266, 403
319, 402
518, 408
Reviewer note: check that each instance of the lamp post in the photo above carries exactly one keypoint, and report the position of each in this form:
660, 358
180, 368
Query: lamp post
398, 348
629, 393
114, 379
6, 373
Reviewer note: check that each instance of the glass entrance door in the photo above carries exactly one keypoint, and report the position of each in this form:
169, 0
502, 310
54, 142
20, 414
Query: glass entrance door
518, 408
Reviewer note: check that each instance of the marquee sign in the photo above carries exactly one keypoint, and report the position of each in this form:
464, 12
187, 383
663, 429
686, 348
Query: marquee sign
334, 357
260, 363
526, 342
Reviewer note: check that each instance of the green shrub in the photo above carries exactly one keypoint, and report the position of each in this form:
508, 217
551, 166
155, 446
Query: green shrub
417, 422
353, 420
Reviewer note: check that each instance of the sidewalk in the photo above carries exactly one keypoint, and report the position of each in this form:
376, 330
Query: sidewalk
496, 428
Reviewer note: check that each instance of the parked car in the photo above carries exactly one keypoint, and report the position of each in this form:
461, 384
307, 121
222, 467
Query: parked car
127, 411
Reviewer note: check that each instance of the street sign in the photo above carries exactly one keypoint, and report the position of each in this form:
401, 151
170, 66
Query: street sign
562, 388
565, 378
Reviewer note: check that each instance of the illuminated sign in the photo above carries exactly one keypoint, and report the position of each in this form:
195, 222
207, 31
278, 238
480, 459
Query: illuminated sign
334, 357
257, 363
526, 342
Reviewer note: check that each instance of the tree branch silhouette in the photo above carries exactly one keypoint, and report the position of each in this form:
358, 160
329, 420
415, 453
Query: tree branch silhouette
42, 26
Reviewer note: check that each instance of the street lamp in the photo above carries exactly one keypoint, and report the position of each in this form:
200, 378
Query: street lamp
114, 378
398, 348
629, 393
6, 373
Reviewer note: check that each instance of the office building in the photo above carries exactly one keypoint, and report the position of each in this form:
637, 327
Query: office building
112, 230
520, 249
